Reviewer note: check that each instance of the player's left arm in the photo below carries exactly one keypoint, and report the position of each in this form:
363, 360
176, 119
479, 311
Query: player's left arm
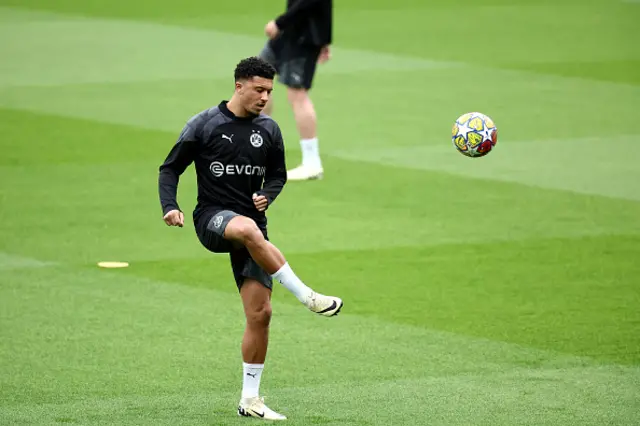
276, 170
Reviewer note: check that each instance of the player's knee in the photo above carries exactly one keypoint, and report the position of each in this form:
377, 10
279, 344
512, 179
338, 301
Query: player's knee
248, 232
253, 235
261, 316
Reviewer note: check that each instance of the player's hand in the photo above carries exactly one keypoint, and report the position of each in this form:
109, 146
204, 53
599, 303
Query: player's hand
174, 218
325, 54
271, 29
261, 202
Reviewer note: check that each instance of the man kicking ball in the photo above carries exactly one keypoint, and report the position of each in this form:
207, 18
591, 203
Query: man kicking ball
240, 167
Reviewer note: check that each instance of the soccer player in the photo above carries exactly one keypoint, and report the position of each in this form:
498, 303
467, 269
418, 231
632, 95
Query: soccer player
298, 39
240, 167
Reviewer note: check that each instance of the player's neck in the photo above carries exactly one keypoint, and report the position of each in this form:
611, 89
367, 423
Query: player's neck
238, 110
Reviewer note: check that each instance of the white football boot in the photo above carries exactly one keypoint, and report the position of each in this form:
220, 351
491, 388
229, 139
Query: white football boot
305, 173
254, 407
324, 305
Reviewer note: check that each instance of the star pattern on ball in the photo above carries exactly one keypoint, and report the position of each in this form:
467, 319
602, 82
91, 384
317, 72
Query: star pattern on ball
486, 133
464, 130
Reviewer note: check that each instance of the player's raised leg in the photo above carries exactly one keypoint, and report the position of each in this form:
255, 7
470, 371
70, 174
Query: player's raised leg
256, 300
243, 230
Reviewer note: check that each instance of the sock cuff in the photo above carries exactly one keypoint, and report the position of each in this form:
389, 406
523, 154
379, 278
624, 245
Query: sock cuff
283, 269
258, 366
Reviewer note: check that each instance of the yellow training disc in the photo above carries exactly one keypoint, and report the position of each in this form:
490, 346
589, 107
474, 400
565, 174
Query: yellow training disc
113, 264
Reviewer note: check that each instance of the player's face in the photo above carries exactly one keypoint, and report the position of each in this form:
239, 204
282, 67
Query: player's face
255, 93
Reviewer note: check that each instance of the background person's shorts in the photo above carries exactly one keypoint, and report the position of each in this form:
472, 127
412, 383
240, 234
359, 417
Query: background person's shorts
210, 229
295, 64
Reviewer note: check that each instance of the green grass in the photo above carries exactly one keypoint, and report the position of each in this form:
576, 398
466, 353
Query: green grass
501, 290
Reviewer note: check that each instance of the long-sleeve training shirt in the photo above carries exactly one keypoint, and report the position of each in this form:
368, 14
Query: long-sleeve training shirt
234, 158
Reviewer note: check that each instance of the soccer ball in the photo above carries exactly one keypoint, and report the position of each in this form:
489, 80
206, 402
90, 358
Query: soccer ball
474, 134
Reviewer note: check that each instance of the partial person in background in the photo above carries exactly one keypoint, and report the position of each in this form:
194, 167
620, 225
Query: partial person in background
298, 40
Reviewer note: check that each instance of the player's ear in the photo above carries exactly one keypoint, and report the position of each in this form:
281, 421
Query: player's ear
238, 85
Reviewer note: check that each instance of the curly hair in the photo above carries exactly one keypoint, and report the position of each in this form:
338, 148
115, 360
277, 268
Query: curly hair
254, 67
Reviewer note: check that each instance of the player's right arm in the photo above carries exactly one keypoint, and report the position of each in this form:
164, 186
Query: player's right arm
181, 155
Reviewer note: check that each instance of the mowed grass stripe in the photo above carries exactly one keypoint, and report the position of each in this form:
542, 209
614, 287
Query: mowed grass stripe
79, 50
121, 347
600, 165
389, 119
521, 397
91, 227
572, 295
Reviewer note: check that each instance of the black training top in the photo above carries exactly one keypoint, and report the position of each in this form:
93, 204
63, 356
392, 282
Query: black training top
234, 158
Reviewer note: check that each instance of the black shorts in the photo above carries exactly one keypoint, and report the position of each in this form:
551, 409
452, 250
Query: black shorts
210, 227
295, 64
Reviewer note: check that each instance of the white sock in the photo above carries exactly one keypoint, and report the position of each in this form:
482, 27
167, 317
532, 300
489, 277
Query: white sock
251, 374
291, 282
310, 153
